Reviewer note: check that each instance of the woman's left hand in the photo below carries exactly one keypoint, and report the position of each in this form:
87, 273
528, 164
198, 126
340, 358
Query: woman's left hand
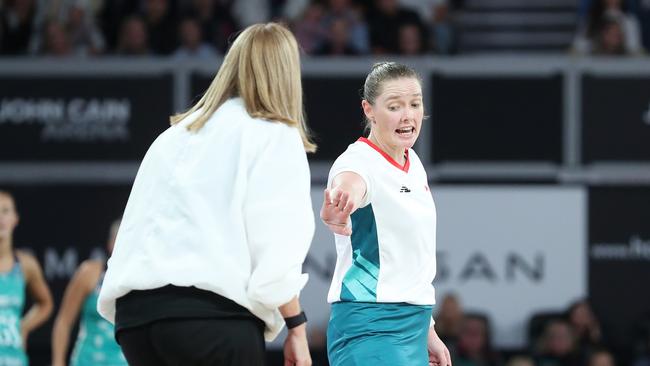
438, 352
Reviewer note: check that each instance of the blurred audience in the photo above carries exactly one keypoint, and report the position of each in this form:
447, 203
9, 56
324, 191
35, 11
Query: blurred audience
215, 20
442, 29
399, 27
642, 8
55, 40
85, 36
111, 17
385, 20
16, 26
586, 327
338, 41
192, 41
474, 347
609, 29
247, 12
601, 358
449, 319
309, 30
161, 26
520, 361
133, 38
557, 346
356, 24
410, 40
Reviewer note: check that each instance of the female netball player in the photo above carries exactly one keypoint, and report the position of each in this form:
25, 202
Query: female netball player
18, 271
379, 206
96, 340
208, 258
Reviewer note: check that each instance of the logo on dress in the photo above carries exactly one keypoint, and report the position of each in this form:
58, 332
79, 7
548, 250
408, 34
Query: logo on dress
404, 189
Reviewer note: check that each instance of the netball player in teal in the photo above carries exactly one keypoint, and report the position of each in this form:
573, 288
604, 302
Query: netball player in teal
383, 216
96, 340
18, 271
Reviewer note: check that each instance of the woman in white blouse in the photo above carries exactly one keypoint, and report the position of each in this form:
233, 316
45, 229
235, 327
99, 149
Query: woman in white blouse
207, 261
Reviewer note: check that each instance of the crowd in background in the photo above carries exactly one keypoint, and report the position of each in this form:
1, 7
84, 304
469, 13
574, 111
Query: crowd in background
564, 338
203, 28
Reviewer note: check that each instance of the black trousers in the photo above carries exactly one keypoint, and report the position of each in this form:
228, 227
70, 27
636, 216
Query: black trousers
194, 342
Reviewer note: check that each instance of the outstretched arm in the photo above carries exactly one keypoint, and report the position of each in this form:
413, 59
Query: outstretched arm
346, 194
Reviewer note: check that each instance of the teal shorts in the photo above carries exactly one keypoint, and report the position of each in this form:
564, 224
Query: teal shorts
378, 334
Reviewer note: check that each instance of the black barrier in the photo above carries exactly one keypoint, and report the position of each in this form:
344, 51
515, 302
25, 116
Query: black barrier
82, 118
619, 262
496, 118
332, 106
615, 118
63, 225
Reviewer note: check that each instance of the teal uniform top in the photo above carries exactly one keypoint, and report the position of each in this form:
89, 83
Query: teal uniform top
96, 344
12, 301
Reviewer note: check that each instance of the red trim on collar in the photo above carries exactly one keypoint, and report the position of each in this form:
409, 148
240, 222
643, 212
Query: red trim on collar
404, 168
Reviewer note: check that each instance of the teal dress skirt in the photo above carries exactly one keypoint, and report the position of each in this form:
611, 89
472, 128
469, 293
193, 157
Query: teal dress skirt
378, 334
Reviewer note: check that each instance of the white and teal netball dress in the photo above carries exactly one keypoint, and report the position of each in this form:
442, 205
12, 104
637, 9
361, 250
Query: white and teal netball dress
381, 292
96, 341
12, 301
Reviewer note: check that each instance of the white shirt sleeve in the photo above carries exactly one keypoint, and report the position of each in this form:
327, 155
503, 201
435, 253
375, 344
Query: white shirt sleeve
278, 217
351, 162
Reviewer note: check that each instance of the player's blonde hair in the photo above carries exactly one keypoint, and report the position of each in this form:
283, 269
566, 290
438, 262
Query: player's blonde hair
263, 68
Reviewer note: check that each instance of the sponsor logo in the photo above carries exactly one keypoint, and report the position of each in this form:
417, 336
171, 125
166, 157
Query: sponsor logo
635, 249
404, 189
74, 120
513, 267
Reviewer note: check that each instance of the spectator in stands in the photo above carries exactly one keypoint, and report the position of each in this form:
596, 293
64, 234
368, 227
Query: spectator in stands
215, 21
338, 41
309, 30
601, 358
442, 29
111, 17
192, 44
643, 14
449, 320
410, 40
16, 26
608, 20
520, 361
247, 12
85, 37
357, 26
557, 346
56, 41
474, 347
585, 325
423, 7
609, 38
385, 20
133, 38
161, 27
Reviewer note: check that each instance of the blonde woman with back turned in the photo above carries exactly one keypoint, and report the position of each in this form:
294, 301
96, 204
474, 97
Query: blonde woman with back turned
208, 259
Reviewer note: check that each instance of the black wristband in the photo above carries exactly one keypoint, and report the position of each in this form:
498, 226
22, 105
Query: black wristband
294, 321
